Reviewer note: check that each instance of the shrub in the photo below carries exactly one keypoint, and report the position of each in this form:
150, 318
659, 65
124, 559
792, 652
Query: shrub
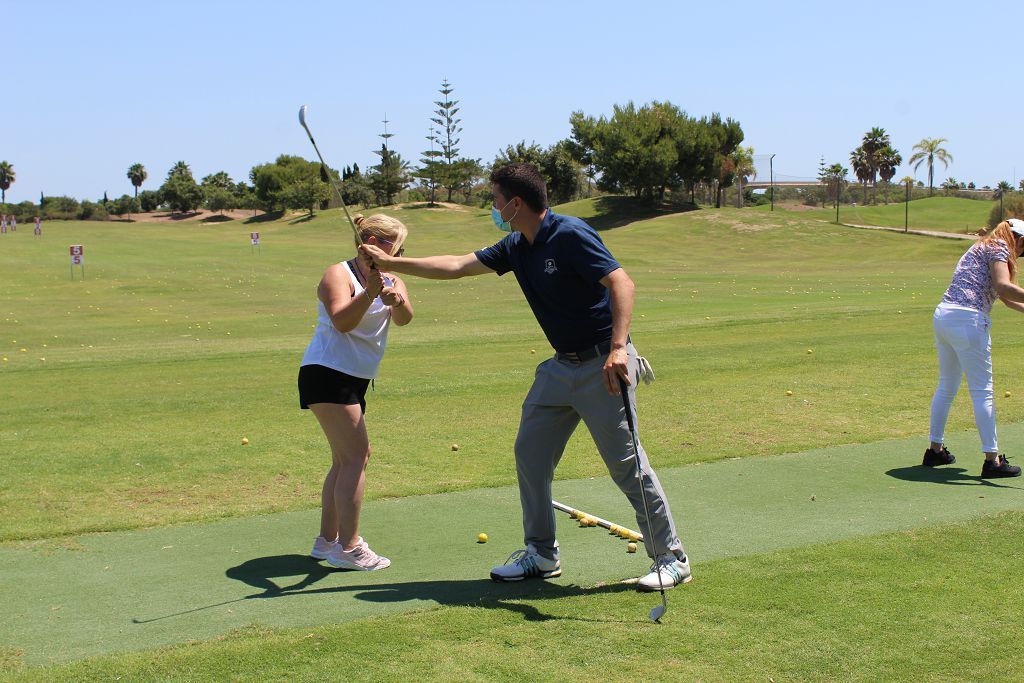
1013, 207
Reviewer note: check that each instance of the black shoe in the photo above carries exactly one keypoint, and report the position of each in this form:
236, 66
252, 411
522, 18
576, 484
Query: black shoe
995, 469
943, 457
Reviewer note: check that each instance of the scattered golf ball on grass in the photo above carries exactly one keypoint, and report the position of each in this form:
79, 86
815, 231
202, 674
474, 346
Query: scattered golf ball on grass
455, 446
1007, 394
481, 538
631, 547
789, 393
245, 441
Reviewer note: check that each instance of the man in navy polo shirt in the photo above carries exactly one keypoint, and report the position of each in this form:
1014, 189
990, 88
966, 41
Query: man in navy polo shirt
583, 300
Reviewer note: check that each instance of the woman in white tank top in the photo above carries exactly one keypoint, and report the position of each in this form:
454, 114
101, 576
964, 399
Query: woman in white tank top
355, 308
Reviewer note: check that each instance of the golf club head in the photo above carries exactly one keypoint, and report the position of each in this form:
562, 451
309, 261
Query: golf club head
657, 612
302, 116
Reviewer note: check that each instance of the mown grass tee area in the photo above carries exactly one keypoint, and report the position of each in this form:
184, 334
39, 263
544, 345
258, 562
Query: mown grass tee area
126, 397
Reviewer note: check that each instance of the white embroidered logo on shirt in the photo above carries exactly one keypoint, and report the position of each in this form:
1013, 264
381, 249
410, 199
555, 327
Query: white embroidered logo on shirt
549, 266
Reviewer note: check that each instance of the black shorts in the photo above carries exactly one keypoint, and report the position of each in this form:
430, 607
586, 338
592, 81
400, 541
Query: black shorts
320, 384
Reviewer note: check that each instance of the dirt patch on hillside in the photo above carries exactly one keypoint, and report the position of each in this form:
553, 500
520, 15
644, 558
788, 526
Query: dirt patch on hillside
735, 223
201, 215
438, 206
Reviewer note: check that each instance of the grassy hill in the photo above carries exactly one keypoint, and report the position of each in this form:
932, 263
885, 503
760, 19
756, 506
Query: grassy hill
944, 214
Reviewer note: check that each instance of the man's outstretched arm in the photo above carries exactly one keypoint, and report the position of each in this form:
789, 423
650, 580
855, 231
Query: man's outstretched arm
430, 267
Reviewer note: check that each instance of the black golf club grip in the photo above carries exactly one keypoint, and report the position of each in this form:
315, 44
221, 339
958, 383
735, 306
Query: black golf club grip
624, 388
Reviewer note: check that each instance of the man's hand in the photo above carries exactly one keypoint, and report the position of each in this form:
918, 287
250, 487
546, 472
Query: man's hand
375, 257
616, 367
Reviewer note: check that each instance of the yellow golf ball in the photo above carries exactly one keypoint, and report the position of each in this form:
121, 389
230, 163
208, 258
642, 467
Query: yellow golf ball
1007, 394
584, 521
789, 393
245, 441
631, 547
481, 538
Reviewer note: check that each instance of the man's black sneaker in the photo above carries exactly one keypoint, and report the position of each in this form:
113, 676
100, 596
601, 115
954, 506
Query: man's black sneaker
943, 457
994, 469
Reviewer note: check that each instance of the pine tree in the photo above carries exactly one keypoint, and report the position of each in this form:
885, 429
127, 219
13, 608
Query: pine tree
432, 167
389, 177
454, 173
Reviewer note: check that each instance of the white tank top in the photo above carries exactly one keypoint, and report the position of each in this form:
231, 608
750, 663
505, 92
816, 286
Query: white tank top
357, 352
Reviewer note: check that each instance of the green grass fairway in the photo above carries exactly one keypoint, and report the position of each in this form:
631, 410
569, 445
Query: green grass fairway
942, 214
253, 571
127, 493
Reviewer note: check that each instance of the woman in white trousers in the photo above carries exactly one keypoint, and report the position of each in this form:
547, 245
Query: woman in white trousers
984, 273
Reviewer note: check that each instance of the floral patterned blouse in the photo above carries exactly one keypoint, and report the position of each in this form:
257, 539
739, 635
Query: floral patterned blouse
972, 282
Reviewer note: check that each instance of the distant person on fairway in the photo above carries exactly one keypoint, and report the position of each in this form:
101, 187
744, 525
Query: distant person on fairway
355, 306
962, 324
583, 300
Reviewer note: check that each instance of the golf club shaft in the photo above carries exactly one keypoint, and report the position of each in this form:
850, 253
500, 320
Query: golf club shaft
600, 522
327, 172
643, 493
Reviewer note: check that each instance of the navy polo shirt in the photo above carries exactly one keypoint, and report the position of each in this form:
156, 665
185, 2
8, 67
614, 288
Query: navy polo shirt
560, 275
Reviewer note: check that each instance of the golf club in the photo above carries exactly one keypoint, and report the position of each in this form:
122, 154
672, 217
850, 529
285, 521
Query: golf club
323, 165
657, 612
574, 513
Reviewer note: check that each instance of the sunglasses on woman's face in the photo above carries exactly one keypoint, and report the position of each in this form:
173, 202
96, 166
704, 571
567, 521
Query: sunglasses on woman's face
391, 245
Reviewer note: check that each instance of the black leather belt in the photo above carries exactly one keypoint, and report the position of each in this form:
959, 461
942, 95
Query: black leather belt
583, 355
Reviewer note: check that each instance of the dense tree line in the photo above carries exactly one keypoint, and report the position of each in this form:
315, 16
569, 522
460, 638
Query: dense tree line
648, 151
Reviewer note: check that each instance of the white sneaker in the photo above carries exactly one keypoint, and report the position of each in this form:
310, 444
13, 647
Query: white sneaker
360, 558
673, 572
322, 548
527, 563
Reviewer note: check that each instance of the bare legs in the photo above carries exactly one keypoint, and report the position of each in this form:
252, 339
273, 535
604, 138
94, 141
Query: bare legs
343, 487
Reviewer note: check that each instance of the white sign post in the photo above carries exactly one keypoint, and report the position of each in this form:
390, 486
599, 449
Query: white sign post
254, 238
3, 224
77, 259
39, 227
14, 224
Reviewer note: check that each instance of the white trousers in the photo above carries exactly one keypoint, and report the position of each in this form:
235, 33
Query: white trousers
965, 349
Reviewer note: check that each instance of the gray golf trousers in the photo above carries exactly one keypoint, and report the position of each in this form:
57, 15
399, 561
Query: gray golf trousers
562, 394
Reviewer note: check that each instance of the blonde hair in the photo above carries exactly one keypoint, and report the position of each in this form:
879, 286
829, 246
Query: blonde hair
382, 227
1005, 233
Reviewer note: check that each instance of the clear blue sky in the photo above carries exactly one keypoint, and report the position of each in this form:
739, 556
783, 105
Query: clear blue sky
93, 87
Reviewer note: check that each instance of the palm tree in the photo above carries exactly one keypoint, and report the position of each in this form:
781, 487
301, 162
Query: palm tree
888, 160
862, 168
6, 178
834, 178
180, 168
137, 174
930, 149
875, 141
951, 185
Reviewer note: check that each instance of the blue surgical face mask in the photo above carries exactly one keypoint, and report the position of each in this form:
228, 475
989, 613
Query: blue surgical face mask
503, 225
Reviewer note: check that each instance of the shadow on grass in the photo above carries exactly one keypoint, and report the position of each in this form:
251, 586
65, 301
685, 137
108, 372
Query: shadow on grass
266, 574
617, 211
955, 476
301, 219
217, 218
266, 217
179, 216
